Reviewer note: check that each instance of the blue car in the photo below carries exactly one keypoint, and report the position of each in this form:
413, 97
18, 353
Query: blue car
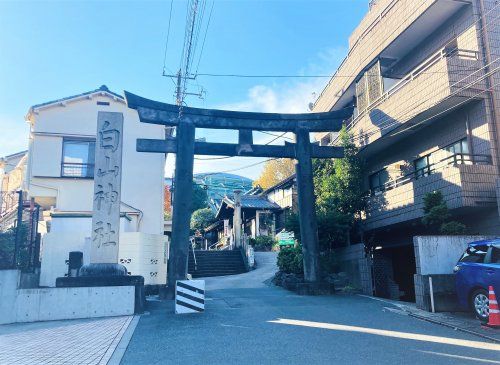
477, 269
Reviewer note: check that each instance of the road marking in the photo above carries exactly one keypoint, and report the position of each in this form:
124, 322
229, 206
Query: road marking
461, 357
233, 325
388, 333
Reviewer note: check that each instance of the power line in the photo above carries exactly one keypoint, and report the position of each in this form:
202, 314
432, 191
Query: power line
168, 35
205, 36
226, 157
275, 135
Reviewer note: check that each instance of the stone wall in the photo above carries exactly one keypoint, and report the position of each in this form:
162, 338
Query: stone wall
353, 261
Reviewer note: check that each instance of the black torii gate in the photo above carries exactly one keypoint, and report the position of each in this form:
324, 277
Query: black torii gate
184, 146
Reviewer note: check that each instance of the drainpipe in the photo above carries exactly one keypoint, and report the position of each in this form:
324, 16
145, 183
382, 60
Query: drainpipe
489, 84
469, 136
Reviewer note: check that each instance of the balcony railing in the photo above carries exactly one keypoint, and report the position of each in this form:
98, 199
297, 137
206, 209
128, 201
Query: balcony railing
417, 71
77, 170
453, 160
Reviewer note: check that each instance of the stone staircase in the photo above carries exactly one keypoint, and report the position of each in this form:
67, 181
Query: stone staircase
216, 263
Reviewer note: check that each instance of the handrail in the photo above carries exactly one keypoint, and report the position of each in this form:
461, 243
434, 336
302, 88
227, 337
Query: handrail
194, 255
455, 159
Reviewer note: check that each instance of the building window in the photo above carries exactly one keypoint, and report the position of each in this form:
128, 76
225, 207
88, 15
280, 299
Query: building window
78, 158
378, 180
459, 147
422, 167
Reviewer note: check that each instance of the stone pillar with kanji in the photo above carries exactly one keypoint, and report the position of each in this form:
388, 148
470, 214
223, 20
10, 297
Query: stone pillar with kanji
106, 199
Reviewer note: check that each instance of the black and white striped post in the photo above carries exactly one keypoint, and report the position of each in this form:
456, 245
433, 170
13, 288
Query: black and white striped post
189, 296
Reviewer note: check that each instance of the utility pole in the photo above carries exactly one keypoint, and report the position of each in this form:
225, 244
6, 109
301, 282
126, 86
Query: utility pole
184, 74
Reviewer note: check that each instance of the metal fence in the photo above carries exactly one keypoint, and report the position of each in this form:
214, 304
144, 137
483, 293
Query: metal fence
19, 237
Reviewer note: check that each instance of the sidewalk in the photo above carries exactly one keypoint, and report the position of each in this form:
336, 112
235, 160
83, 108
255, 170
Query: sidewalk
85, 341
461, 321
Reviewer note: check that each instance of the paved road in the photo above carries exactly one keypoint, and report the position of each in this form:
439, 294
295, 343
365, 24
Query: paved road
248, 322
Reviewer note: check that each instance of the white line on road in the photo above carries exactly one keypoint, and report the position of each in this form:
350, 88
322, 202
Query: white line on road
461, 357
395, 334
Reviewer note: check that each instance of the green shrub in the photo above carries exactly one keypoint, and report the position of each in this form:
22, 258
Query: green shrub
290, 260
329, 263
263, 243
453, 228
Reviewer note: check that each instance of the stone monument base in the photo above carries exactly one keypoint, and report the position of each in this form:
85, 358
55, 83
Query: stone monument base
93, 281
102, 270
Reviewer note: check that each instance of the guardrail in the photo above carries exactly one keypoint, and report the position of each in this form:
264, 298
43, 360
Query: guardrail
81, 170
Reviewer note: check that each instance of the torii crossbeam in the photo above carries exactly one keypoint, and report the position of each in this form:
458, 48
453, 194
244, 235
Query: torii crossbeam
185, 147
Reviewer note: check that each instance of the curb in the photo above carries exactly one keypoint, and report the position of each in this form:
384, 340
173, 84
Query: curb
451, 326
409, 313
119, 351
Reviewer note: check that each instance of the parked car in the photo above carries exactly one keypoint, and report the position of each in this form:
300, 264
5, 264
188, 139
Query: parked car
477, 269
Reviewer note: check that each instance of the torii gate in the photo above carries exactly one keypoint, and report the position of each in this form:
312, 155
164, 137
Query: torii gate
185, 147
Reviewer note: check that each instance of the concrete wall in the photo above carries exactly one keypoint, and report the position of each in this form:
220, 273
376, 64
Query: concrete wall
439, 254
32, 305
142, 254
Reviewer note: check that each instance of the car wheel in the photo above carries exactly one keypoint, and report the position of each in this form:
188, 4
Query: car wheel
480, 304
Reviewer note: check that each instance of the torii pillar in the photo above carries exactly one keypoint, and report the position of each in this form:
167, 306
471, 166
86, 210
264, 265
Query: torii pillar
185, 146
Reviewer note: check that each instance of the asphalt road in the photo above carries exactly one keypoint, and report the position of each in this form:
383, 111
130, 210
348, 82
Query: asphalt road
249, 322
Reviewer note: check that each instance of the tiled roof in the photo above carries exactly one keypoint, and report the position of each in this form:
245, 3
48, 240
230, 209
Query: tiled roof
253, 202
103, 88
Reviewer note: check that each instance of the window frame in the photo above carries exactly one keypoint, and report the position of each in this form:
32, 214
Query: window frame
423, 171
88, 167
380, 187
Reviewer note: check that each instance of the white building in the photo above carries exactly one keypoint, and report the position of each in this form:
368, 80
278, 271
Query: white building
60, 178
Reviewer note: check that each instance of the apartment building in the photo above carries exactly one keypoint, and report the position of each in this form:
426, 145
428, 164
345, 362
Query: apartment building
423, 79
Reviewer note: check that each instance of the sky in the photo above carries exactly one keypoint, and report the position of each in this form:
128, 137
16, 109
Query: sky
53, 49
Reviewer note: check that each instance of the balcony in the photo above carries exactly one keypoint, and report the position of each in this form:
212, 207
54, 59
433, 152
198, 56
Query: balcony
445, 81
390, 30
466, 181
77, 170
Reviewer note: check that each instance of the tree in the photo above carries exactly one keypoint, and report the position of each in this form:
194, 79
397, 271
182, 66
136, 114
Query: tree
437, 216
340, 195
200, 197
338, 183
201, 219
167, 204
275, 171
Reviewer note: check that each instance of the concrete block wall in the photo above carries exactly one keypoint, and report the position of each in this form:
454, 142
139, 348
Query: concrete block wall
443, 288
353, 261
48, 304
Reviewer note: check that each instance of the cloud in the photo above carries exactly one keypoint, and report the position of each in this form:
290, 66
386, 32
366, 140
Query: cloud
290, 96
